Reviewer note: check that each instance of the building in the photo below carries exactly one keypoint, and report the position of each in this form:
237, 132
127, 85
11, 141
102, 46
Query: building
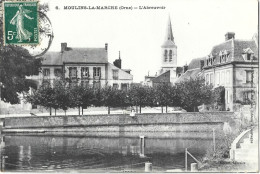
83, 66
193, 70
234, 65
169, 71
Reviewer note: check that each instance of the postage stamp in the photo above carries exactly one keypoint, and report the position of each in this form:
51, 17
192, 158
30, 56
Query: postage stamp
21, 23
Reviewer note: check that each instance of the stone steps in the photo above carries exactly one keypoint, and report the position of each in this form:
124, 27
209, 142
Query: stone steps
248, 152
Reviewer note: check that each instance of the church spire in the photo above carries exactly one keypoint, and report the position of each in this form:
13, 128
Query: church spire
169, 35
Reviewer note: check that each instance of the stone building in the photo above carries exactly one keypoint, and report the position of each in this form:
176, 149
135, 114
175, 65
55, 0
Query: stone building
193, 70
234, 65
83, 66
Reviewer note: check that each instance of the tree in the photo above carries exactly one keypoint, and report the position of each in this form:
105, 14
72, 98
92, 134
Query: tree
15, 64
219, 96
114, 97
63, 96
193, 93
163, 95
140, 96
44, 96
87, 97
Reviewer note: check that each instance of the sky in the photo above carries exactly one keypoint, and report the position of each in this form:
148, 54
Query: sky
138, 34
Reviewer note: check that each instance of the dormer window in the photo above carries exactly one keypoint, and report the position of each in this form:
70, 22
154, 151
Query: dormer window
223, 55
165, 55
248, 54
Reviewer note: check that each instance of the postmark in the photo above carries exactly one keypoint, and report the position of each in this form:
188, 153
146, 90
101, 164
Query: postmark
21, 26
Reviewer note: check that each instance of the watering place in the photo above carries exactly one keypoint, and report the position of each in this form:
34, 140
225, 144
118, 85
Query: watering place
97, 154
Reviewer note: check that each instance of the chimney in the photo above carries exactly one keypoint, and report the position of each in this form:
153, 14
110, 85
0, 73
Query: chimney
118, 62
185, 68
229, 35
63, 46
201, 64
106, 45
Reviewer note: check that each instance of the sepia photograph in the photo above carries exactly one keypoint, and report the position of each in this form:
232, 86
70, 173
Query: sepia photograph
140, 86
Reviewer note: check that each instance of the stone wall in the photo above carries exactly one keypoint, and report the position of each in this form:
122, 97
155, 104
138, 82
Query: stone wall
177, 122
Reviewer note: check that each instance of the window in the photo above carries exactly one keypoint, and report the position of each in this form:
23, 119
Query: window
46, 83
96, 85
115, 74
227, 96
73, 72
248, 96
96, 71
249, 76
228, 77
211, 78
170, 56
46, 72
217, 79
115, 85
124, 87
248, 56
84, 72
57, 72
73, 83
222, 78
165, 55
207, 79
84, 83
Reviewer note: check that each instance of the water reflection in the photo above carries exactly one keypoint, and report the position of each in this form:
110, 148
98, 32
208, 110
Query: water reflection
96, 153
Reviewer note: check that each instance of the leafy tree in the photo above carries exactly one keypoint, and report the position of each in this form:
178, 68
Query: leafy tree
193, 93
63, 96
140, 96
114, 97
44, 96
219, 96
15, 64
87, 97
163, 95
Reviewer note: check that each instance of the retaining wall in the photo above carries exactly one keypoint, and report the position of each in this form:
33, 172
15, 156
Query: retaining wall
178, 122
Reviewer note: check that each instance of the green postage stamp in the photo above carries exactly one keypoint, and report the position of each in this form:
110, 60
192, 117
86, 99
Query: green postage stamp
21, 23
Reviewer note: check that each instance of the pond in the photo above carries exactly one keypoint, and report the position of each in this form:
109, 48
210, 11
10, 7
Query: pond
97, 154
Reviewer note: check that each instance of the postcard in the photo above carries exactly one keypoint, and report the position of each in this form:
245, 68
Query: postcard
129, 86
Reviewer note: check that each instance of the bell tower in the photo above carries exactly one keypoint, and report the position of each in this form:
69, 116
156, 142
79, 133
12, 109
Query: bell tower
169, 50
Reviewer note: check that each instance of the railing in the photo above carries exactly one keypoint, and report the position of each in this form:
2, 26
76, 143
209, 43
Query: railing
186, 159
236, 143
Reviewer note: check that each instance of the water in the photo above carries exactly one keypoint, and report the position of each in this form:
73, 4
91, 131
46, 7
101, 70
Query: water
91, 154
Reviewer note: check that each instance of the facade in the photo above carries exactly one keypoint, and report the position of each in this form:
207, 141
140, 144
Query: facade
83, 66
234, 65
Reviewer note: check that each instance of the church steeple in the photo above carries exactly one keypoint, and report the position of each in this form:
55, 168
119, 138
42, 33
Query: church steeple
169, 35
169, 50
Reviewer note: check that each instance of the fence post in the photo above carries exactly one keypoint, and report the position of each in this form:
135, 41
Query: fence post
148, 167
194, 167
186, 160
214, 142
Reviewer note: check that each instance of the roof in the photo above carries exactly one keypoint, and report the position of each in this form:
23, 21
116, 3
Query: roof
168, 43
76, 55
52, 58
195, 63
193, 73
164, 77
240, 45
179, 70
235, 48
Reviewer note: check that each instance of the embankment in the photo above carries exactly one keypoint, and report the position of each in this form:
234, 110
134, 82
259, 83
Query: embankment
154, 122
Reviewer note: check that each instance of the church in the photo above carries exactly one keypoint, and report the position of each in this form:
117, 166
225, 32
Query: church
169, 71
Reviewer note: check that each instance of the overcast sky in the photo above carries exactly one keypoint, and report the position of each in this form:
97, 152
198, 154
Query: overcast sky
197, 26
